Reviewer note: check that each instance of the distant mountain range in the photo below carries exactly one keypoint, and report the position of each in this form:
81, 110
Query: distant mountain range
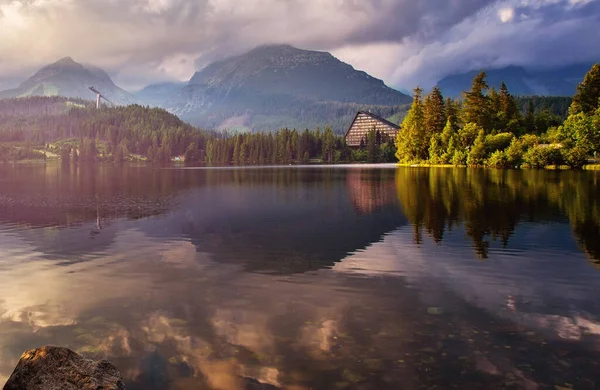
70, 79
277, 86
520, 81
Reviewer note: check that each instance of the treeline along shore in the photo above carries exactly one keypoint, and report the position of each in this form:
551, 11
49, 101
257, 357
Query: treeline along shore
487, 127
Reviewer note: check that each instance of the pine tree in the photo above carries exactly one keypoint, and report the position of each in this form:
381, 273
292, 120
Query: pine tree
510, 111
410, 141
530, 119
448, 132
436, 149
435, 114
587, 97
476, 107
495, 111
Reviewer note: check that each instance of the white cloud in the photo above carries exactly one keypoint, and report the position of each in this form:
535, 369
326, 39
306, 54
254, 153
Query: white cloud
506, 14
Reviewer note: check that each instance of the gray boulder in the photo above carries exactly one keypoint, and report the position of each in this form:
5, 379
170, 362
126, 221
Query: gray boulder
57, 368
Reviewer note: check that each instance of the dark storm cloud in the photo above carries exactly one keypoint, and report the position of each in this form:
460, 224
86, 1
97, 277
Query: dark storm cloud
536, 34
402, 41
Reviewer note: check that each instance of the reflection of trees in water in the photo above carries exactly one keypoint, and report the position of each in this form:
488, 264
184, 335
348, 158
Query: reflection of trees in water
490, 203
65, 195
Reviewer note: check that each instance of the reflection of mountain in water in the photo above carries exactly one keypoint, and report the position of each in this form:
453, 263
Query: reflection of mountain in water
280, 220
491, 203
63, 196
283, 220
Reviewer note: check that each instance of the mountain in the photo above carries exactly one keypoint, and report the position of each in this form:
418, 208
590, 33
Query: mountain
70, 79
158, 94
278, 86
521, 81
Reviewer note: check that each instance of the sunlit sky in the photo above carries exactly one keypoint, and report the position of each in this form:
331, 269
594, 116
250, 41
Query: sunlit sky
403, 42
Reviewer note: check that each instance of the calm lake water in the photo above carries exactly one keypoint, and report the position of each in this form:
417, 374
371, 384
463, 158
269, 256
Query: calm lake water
306, 278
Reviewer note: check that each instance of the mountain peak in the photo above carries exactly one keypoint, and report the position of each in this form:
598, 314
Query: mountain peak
275, 47
276, 80
66, 61
68, 78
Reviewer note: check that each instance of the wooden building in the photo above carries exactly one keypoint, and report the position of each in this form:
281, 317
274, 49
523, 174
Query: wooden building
363, 123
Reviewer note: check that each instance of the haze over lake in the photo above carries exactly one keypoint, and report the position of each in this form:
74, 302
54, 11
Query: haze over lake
340, 277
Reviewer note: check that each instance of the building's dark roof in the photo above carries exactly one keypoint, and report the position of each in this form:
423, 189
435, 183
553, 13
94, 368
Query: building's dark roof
376, 117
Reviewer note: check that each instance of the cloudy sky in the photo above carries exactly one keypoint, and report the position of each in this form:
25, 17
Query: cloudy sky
403, 42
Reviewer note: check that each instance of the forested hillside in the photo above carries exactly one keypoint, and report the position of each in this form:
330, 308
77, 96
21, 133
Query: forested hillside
74, 130
38, 127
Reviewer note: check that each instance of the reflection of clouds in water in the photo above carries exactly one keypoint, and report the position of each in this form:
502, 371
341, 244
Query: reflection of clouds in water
247, 328
226, 325
490, 284
42, 294
39, 294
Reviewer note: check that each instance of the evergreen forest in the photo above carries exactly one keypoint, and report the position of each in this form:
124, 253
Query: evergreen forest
494, 129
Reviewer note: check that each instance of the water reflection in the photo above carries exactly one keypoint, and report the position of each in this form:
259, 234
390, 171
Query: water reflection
303, 278
491, 203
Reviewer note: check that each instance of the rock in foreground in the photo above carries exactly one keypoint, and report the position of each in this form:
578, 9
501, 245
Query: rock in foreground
54, 368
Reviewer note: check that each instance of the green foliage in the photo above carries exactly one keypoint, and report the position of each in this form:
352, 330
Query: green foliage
514, 153
388, 152
476, 104
497, 142
435, 113
477, 154
498, 159
557, 106
193, 155
467, 135
575, 157
459, 158
411, 140
373, 152
541, 156
588, 93
436, 150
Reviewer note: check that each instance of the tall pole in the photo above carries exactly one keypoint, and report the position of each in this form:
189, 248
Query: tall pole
97, 100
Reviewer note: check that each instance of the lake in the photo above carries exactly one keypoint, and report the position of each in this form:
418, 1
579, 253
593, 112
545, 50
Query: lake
341, 277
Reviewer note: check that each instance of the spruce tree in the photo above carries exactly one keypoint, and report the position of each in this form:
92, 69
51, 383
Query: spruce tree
510, 111
435, 114
476, 107
588, 93
410, 141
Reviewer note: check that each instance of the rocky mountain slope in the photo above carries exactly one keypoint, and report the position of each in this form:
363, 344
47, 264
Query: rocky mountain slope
70, 79
281, 86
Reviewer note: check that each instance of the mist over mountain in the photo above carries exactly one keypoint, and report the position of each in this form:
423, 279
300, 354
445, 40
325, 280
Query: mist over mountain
278, 86
561, 81
158, 94
70, 79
